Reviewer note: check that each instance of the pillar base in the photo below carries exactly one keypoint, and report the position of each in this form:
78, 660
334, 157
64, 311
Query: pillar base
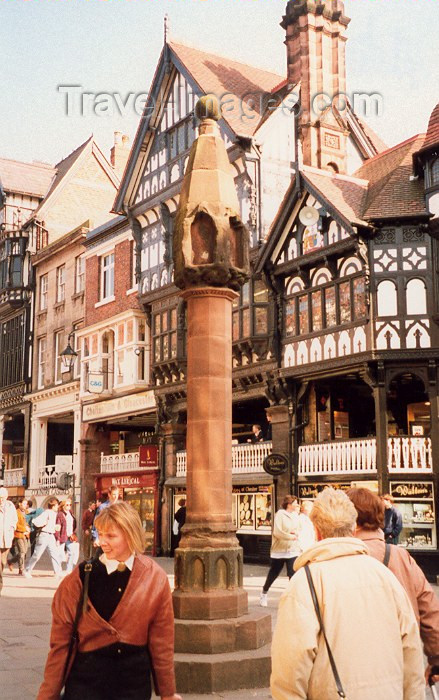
250, 631
208, 583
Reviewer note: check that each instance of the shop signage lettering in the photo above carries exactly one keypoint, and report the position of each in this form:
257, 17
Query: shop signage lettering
96, 383
313, 490
275, 464
148, 456
136, 403
408, 489
252, 489
126, 481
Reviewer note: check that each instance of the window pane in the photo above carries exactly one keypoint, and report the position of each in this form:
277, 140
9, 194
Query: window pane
173, 344
387, 301
235, 326
165, 321
165, 347
174, 318
246, 323
303, 314
316, 303
416, 297
156, 324
157, 350
345, 302
360, 308
330, 309
290, 317
245, 293
261, 324
260, 291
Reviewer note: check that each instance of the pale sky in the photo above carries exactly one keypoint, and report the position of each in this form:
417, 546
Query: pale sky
113, 46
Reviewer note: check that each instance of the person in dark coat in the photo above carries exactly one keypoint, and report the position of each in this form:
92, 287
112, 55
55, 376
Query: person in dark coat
179, 521
392, 520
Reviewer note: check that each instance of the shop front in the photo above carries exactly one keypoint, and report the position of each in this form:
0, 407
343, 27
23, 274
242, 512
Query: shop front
141, 491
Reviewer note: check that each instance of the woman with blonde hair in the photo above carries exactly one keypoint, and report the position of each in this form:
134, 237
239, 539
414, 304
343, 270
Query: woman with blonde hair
126, 621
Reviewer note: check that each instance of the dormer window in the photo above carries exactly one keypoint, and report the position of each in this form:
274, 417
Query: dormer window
435, 172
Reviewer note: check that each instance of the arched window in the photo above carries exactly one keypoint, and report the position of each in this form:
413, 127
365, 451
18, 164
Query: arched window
416, 297
387, 299
435, 172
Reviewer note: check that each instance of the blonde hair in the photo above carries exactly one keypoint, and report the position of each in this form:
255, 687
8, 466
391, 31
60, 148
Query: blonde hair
333, 514
124, 517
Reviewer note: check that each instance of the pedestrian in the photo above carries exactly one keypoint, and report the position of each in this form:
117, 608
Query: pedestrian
257, 434
112, 497
179, 521
46, 538
284, 544
21, 538
30, 515
392, 520
370, 519
86, 526
307, 533
127, 627
8, 522
365, 619
66, 535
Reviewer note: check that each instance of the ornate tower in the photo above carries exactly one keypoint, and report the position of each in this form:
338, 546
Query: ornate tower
315, 40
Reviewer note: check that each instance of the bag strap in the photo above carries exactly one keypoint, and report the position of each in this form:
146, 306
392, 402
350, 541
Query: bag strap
387, 554
80, 609
340, 690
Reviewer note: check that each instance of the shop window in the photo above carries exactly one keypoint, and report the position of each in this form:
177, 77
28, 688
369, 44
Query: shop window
252, 509
387, 301
416, 297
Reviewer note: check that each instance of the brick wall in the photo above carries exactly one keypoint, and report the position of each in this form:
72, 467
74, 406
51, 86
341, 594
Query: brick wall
122, 282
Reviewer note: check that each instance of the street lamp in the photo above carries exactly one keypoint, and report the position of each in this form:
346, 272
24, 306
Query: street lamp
68, 356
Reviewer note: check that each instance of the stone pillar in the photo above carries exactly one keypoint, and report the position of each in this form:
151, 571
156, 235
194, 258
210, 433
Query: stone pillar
280, 432
173, 440
37, 450
209, 560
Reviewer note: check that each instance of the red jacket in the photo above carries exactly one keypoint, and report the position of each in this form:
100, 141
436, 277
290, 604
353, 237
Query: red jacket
61, 535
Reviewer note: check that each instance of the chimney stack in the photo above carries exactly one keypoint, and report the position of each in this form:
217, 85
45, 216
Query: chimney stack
120, 152
315, 41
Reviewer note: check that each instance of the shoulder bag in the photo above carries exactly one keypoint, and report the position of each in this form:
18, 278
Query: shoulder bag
340, 690
80, 609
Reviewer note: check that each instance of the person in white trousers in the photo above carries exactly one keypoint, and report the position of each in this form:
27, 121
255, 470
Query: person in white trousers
46, 538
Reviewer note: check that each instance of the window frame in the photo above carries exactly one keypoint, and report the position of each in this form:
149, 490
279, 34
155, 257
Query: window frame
107, 276
80, 273
41, 361
44, 288
60, 284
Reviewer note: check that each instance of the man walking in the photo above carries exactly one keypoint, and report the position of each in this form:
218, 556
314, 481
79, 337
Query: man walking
46, 539
8, 522
392, 520
86, 525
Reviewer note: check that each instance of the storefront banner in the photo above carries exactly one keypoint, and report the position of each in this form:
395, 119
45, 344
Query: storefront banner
126, 481
411, 489
313, 490
125, 405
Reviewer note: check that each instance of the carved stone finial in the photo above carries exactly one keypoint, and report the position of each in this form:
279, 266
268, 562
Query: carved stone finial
208, 107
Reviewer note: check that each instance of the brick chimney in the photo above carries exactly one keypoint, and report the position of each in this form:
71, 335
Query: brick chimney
120, 152
315, 41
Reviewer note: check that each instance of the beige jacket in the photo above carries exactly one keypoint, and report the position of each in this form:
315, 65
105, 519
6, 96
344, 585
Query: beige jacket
422, 597
284, 539
143, 616
369, 622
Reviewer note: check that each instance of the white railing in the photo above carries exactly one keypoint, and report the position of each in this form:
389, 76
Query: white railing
128, 461
409, 454
339, 457
13, 477
404, 455
246, 459
47, 478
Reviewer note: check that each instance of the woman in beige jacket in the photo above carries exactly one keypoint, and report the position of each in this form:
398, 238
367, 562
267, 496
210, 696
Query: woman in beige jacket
369, 622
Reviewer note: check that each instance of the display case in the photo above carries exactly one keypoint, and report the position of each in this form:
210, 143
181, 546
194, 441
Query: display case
252, 509
415, 501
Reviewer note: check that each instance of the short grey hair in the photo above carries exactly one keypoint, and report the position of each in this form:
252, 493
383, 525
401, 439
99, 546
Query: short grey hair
3, 492
334, 514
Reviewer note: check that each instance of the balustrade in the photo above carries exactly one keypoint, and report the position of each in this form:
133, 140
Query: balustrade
128, 461
246, 458
13, 477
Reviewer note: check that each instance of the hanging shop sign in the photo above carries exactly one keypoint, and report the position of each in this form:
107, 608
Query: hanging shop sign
275, 464
95, 383
124, 405
148, 456
411, 489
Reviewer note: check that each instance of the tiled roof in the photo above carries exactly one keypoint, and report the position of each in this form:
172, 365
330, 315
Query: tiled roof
371, 135
432, 137
26, 178
391, 191
344, 193
220, 76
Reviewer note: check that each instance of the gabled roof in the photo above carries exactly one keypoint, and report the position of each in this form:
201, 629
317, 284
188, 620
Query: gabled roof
392, 191
65, 167
222, 76
206, 73
346, 194
32, 179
